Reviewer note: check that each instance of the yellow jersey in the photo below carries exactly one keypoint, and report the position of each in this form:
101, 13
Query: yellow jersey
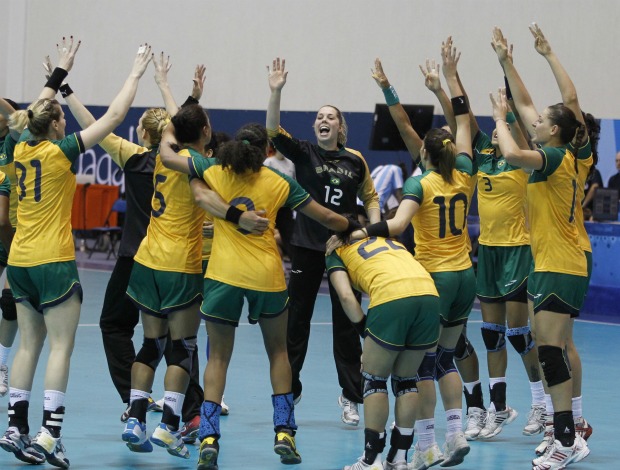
7, 163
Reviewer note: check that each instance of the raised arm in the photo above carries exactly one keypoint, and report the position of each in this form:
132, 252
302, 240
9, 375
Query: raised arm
121, 103
525, 158
162, 66
462, 138
399, 115
433, 83
523, 100
277, 80
565, 84
66, 55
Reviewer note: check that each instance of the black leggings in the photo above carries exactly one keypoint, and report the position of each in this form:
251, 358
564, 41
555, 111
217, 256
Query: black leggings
119, 317
307, 271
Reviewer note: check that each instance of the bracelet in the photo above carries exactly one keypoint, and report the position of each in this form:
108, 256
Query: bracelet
233, 214
380, 229
459, 105
510, 117
56, 78
65, 90
391, 97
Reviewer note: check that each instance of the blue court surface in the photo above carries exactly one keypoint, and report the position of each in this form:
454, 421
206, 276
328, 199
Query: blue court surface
92, 429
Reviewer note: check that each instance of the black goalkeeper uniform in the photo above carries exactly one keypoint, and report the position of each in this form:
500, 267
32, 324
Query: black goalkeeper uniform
334, 179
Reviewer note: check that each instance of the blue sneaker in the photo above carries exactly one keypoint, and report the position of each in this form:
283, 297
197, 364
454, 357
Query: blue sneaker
172, 441
134, 436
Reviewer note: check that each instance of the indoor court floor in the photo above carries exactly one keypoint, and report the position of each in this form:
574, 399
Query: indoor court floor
92, 429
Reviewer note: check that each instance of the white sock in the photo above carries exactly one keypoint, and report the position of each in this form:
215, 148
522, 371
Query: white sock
425, 429
469, 386
4, 354
175, 401
401, 454
454, 424
53, 400
538, 393
577, 407
135, 394
496, 380
15, 395
548, 404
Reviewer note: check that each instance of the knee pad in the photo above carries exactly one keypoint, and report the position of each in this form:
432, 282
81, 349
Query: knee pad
521, 339
7, 304
182, 353
151, 352
444, 362
402, 385
555, 365
374, 384
494, 336
463, 348
426, 371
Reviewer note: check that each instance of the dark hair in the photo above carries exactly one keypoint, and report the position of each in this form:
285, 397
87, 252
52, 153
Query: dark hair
13, 104
247, 151
594, 132
188, 123
217, 139
565, 119
439, 144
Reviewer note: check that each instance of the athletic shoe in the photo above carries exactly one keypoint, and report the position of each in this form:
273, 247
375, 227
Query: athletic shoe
156, 406
4, 379
51, 447
21, 446
172, 441
361, 465
535, 420
350, 413
135, 437
423, 459
547, 440
455, 450
400, 465
496, 420
559, 457
209, 449
225, 410
189, 431
583, 428
284, 446
475, 423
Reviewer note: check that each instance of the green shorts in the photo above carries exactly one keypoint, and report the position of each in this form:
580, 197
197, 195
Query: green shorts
46, 285
457, 292
223, 303
557, 292
159, 293
409, 323
502, 273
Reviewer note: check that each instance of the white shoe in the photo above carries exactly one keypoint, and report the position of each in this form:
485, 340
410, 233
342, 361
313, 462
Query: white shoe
455, 450
496, 420
21, 446
51, 447
361, 465
475, 423
535, 420
547, 440
4, 379
350, 413
427, 458
558, 457
400, 465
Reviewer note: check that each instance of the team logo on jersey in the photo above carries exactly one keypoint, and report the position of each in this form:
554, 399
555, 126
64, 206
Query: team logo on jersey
501, 164
335, 181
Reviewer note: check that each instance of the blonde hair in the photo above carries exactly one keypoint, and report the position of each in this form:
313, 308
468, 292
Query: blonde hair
154, 122
37, 117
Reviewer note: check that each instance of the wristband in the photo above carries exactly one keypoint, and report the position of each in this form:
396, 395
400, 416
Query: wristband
56, 78
65, 90
380, 229
391, 97
190, 100
510, 117
233, 215
459, 105
360, 327
508, 93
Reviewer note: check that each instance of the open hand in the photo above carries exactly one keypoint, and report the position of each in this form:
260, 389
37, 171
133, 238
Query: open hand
277, 75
